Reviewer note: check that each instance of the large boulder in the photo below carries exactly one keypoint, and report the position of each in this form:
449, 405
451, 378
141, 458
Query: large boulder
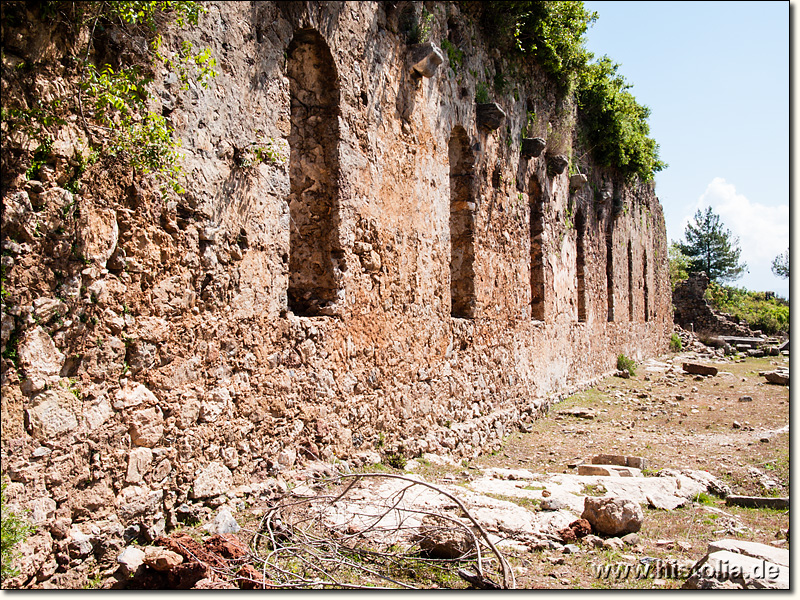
613, 515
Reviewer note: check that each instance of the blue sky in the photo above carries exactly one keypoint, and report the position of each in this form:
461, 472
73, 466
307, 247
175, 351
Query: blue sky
716, 78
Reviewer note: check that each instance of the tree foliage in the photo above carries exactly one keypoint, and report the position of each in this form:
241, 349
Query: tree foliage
780, 265
760, 310
678, 265
617, 130
553, 35
712, 248
114, 101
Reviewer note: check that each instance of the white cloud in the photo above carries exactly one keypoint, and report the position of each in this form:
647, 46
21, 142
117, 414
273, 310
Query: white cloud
763, 231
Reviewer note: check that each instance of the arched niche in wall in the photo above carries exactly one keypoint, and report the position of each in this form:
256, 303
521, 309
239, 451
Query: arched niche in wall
538, 280
580, 262
313, 174
610, 273
646, 288
630, 281
462, 225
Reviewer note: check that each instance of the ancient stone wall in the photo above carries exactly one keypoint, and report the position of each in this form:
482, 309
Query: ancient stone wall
400, 279
693, 312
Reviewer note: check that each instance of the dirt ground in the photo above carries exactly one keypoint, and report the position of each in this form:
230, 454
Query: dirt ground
733, 425
676, 422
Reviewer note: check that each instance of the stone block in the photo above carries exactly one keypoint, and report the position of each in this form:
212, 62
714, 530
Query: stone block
489, 116
426, 58
779, 556
613, 515
532, 147
636, 462
777, 377
758, 502
556, 164
698, 369
609, 471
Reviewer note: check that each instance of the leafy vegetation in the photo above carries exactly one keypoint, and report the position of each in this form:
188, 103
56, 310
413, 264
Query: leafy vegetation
710, 247
675, 343
678, 265
616, 125
112, 102
552, 34
626, 364
760, 310
780, 265
14, 529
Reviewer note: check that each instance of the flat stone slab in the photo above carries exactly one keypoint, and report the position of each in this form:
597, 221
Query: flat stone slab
637, 462
754, 573
579, 412
609, 470
732, 339
698, 369
777, 377
779, 556
758, 502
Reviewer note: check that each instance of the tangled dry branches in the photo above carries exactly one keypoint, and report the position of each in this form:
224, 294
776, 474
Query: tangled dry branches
402, 532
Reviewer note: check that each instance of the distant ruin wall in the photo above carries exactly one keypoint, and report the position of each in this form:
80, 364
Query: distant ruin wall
694, 313
401, 280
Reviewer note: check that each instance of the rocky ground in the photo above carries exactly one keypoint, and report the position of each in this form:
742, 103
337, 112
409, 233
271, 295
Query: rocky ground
692, 438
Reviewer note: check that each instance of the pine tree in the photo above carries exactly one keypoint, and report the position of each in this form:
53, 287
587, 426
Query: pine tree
710, 247
780, 266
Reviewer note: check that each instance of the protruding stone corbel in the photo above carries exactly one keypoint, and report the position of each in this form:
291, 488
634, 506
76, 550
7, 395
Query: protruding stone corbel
425, 59
532, 147
556, 163
489, 116
576, 182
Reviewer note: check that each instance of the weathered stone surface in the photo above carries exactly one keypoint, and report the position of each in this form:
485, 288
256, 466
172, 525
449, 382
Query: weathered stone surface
136, 395
131, 559
207, 289
146, 427
693, 313
778, 556
97, 234
45, 309
138, 501
777, 377
52, 413
577, 182
556, 163
33, 556
440, 538
637, 462
609, 471
42, 511
750, 573
579, 412
223, 523
138, 464
613, 516
214, 480
80, 543
216, 404
698, 369
758, 502
489, 115
161, 559
39, 358
426, 58
532, 147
